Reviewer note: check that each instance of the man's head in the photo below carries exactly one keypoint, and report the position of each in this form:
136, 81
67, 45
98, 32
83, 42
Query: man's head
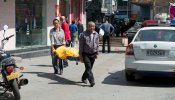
56, 23
91, 26
106, 21
63, 18
79, 21
73, 22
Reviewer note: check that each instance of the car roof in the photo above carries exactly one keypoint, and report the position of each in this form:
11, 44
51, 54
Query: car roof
158, 27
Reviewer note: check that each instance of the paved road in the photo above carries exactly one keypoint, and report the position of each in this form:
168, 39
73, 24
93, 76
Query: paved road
109, 77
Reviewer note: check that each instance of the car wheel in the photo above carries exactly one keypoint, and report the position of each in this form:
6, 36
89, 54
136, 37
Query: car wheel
129, 76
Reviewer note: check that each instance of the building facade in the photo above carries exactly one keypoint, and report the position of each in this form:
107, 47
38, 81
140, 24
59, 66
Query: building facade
93, 10
123, 9
111, 8
31, 20
150, 9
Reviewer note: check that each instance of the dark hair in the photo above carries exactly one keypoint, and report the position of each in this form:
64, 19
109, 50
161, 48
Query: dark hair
73, 22
55, 20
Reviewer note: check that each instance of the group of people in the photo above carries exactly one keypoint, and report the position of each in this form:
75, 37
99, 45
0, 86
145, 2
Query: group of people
121, 26
64, 34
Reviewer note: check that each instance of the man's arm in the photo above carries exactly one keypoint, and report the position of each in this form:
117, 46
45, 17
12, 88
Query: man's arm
112, 27
51, 40
98, 39
81, 44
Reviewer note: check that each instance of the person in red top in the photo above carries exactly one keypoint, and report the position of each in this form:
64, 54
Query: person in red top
65, 27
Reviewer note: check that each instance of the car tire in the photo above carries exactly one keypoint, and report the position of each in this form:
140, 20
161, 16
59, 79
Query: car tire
129, 76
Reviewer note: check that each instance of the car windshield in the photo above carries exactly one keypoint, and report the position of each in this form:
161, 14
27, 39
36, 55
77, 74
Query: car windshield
156, 35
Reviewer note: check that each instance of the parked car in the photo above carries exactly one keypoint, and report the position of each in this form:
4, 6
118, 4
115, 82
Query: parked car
151, 53
132, 31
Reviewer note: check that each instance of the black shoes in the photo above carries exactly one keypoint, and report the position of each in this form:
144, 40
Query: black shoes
61, 72
55, 72
104, 51
65, 66
84, 81
92, 84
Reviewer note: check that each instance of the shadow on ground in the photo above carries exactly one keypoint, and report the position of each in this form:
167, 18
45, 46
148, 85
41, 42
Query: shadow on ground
59, 79
114, 51
6, 96
118, 78
42, 65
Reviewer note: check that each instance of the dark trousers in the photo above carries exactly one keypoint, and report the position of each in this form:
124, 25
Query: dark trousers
56, 62
68, 42
73, 39
65, 61
106, 38
88, 62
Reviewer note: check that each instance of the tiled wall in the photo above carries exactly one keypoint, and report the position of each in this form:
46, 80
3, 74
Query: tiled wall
7, 17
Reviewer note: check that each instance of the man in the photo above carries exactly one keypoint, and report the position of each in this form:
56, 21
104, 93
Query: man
57, 39
65, 27
80, 28
73, 29
108, 30
88, 51
97, 28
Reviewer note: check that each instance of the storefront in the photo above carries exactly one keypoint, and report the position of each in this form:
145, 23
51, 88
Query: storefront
72, 9
31, 20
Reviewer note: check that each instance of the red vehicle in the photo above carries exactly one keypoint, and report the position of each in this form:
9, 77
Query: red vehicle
150, 23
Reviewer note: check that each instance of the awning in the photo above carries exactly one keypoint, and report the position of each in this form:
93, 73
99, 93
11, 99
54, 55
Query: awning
141, 2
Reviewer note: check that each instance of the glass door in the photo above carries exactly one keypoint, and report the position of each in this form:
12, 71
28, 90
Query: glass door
30, 23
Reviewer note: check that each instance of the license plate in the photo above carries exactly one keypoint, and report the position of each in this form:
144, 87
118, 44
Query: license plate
155, 53
13, 75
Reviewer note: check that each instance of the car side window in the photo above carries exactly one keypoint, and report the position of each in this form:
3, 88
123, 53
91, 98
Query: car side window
156, 35
172, 38
142, 36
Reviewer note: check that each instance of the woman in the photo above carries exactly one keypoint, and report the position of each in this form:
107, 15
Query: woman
57, 39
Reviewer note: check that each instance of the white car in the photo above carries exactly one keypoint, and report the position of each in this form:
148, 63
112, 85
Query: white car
151, 52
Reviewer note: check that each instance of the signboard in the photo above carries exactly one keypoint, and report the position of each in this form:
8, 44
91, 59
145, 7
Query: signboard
172, 10
104, 10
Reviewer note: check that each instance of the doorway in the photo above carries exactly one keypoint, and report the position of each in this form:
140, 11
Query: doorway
30, 23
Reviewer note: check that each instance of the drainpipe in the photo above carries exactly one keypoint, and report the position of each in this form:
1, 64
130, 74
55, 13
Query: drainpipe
57, 11
154, 6
70, 11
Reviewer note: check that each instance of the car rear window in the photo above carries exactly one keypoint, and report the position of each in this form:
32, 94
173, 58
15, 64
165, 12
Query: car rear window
156, 35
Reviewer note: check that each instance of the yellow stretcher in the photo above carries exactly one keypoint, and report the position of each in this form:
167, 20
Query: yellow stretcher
67, 53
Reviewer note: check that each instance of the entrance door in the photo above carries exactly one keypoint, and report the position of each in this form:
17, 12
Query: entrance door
30, 23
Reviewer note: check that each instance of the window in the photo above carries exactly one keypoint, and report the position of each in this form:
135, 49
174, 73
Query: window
156, 35
30, 22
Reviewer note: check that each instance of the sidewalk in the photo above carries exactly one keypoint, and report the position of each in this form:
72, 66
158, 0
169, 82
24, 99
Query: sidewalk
117, 47
114, 49
45, 50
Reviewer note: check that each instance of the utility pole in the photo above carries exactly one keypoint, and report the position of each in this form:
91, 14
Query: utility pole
127, 8
154, 8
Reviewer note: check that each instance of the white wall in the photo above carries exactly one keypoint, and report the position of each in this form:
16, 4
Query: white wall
83, 15
50, 16
7, 17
